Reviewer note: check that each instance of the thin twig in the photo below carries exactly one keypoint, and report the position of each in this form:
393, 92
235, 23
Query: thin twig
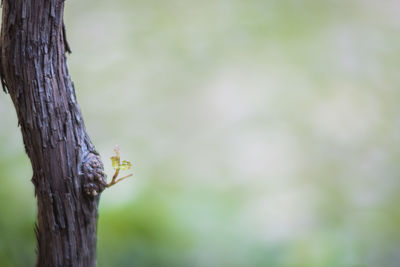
114, 176
113, 181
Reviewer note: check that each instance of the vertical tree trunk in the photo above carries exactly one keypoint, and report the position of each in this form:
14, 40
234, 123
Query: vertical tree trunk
67, 171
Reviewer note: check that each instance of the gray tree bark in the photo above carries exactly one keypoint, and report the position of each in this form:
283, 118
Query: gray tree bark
67, 171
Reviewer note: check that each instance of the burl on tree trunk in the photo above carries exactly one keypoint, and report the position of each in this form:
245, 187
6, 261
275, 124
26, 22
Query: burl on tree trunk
67, 171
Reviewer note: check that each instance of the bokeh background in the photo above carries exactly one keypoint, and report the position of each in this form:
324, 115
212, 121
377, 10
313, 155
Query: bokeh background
262, 133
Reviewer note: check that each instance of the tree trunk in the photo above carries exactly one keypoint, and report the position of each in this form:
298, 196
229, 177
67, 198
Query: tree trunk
67, 171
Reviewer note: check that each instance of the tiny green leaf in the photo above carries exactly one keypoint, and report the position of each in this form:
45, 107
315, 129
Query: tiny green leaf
115, 162
126, 165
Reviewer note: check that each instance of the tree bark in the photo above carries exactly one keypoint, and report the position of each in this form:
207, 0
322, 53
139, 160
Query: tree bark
67, 171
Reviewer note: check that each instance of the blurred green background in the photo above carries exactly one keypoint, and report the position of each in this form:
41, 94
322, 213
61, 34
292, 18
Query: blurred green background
262, 133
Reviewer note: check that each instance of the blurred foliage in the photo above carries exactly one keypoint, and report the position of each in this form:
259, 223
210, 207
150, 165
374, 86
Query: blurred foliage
263, 133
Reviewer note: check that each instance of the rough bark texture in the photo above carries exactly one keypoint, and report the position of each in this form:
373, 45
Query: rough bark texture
67, 171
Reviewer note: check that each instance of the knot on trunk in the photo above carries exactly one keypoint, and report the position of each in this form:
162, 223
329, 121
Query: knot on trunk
93, 177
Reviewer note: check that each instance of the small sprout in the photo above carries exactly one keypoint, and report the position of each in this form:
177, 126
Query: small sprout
117, 165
